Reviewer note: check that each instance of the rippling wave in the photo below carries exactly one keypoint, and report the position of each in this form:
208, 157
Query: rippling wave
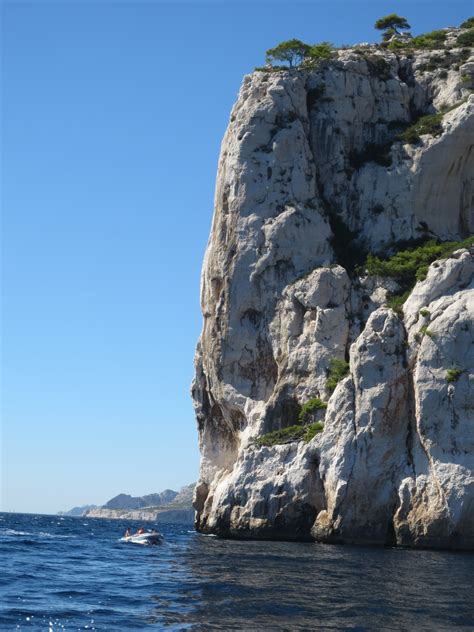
66, 573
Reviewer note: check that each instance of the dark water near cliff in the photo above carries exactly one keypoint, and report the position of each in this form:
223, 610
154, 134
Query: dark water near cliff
72, 573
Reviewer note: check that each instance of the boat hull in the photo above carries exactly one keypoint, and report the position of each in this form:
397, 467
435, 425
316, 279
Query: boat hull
143, 538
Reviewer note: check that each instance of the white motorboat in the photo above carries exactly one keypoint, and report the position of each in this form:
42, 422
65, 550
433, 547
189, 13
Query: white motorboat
148, 537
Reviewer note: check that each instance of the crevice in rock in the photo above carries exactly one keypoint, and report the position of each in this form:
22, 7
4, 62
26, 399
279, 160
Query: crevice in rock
349, 254
405, 72
410, 427
283, 412
261, 370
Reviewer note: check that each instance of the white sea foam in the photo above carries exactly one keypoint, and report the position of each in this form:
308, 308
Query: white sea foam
41, 534
15, 532
206, 535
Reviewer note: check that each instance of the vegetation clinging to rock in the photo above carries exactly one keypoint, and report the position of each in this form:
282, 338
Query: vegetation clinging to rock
467, 24
433, 39
452, 375
338, 369
395, 301
309, 409
285, 435
428, 124
378, 66
466, 39
306, 428
411, 265
323, 50
289, 434
295, 53
424, 331
447, 59
312, 430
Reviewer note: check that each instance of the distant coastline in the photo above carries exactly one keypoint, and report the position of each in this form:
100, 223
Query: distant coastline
166, 506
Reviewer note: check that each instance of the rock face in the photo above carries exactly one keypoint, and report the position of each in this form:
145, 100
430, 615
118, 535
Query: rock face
312, 177
121, 514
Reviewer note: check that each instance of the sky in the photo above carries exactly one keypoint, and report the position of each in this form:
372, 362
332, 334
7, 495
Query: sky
111, 123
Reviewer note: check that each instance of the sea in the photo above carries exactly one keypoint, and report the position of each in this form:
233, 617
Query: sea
62, 573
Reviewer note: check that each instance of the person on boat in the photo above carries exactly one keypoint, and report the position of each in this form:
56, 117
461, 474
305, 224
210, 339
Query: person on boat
140, 531
128, 533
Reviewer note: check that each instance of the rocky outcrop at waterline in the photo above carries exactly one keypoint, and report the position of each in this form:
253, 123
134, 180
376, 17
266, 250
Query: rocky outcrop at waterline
319, 169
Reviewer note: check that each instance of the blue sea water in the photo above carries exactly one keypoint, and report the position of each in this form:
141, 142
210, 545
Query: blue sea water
61, 573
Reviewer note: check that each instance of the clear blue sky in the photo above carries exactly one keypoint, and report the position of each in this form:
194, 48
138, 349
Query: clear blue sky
113, 113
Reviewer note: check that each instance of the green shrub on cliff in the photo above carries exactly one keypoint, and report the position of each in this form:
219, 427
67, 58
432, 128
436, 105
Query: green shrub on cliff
338, 369
303, 430
378, 66
452, 375
430, 41
395, 301
424, 331
429, 124
285, 435
447, 59
411, 265
396, 45
289, 434
466, 39
434, 39
309, 409
467, 24
323, 50
312, 430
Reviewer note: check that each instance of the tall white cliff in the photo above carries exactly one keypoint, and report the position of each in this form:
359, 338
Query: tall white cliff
311, 174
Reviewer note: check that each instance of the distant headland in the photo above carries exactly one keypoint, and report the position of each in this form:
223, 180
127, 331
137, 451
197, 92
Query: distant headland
165, 506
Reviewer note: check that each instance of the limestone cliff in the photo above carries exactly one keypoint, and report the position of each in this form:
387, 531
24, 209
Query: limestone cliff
314, 174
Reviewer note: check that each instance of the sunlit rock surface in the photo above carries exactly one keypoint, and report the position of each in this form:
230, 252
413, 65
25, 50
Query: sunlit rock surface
311, 175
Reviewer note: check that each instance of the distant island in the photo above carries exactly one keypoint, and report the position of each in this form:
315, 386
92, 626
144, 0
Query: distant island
165, 506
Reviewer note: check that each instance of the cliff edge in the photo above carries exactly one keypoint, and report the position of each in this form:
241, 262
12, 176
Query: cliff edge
326, 409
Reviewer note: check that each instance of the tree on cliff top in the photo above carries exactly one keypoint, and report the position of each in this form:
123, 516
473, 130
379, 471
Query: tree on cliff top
323, 50
292, 52
390, 24
296, 53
